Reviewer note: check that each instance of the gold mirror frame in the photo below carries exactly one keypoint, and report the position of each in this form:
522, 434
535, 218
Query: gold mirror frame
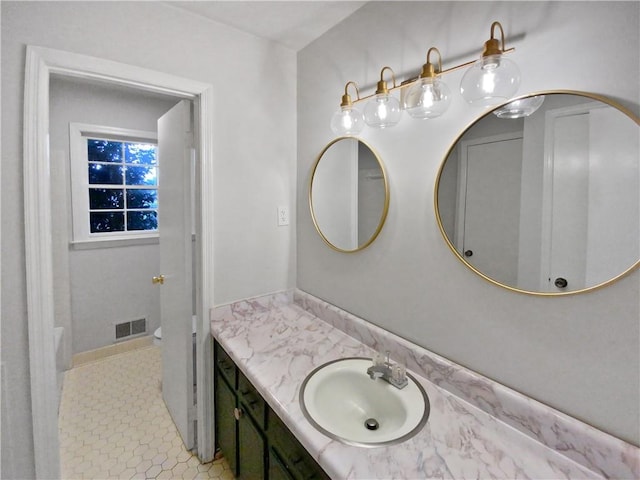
385, 208
452, 247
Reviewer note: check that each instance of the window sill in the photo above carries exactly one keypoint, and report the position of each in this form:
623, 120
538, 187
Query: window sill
114, 242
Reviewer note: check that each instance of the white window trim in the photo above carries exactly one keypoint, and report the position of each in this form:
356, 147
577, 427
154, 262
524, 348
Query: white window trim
78, 132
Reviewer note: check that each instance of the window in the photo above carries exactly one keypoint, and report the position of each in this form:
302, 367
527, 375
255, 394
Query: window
114, 177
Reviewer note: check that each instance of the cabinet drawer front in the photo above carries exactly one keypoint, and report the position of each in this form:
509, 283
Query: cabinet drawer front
297, 461
252, 400
277, 470
226, 366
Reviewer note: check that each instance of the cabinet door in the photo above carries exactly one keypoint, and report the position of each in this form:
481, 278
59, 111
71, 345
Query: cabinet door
251, 449
226, 425
250, 398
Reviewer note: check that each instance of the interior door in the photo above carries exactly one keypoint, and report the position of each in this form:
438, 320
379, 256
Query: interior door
614, 198
492, 207
595, 210
570, 198
174, 193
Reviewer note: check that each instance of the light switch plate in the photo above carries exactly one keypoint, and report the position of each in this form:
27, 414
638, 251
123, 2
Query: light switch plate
283, 216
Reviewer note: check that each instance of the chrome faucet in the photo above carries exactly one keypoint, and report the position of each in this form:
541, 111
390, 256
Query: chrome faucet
396, 374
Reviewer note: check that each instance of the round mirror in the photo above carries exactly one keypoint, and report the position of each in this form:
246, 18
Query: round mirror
348, 194
541, 195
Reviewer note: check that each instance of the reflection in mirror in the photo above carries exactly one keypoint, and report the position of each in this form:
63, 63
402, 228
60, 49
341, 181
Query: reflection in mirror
348, 194
547, 203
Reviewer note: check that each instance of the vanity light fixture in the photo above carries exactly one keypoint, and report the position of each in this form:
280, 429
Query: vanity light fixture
520, 108
347, 120
429, 96
492, 79
383, 110
488, 81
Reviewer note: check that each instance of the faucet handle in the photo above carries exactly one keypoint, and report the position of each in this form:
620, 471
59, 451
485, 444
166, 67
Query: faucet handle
378, 360
399, 373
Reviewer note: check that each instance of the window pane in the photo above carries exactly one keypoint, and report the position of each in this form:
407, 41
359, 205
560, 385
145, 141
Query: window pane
142, 198
147, 220
140, 153
104, 151
106, 198
142, 176
105, 174
106, 222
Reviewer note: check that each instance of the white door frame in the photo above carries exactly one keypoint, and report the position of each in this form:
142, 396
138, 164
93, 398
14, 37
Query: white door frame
40, 64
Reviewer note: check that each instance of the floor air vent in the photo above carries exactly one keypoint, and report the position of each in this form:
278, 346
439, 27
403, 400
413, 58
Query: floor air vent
128, 329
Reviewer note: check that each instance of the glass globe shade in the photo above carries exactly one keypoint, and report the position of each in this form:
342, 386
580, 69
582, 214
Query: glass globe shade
520, 108
382, 111
347, 121
491, 80
429, 97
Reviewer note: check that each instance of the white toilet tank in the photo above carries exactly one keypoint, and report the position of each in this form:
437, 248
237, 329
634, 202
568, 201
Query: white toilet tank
157, 335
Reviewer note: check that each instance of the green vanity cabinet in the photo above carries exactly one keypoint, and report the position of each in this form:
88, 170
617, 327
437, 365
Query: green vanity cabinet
238, 407
256, 443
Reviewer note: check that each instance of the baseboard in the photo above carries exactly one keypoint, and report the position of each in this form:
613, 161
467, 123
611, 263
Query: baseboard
103, 352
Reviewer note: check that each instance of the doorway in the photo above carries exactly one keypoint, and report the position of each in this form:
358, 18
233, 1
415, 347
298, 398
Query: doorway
100, 300
586, 227
41, 63
108, 297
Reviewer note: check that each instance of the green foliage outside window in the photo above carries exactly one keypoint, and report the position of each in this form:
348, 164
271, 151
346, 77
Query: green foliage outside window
123, 186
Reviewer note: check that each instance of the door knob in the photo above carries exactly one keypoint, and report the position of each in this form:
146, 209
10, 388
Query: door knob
159, 279
561, 282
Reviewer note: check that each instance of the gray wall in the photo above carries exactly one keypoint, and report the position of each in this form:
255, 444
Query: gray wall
578, 353
98, 287
254, 155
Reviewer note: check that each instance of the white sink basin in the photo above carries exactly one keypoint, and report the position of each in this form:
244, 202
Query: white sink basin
340, 399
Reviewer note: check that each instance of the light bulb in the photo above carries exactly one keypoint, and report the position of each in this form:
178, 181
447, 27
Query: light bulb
520, 108
382, 111
429, 97
347, 121
491, 80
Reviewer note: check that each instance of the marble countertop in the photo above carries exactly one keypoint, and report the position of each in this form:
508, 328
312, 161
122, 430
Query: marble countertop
276, 344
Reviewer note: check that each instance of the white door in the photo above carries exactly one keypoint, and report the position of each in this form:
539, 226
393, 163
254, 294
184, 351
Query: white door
491, 207
174, 193
570, 198
614, 195
594, 215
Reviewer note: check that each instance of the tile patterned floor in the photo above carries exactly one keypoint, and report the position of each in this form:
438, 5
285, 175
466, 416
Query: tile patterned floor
114, 424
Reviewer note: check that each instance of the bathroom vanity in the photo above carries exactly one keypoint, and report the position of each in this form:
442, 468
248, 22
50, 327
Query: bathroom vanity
267, 346
255, 442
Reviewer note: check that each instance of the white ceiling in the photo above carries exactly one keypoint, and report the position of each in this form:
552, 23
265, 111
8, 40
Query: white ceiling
294, 24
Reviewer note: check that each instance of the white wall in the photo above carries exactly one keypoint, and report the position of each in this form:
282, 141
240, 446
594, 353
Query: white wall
580, 353
254, 154
98, 287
